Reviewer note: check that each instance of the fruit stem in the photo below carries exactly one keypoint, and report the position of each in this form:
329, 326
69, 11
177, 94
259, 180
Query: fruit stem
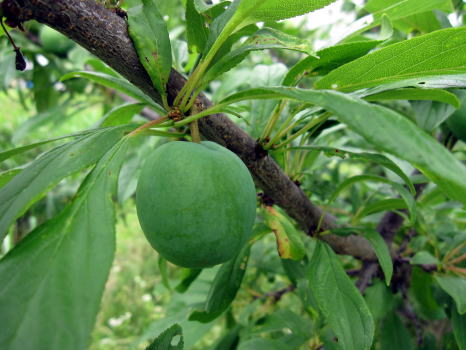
195, 135
148, 125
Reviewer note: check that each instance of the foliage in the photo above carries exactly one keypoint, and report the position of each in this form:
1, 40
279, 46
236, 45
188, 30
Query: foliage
367, 129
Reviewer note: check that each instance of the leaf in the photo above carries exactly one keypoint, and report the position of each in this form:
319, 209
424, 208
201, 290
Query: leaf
224, 287
459, 329
118, 84
422, 296
15, 151
440, 53
121, 114
328, 59
46, 171
398, 10
455, 287
400, 136
416, 94
6, 176
429, 114
394, 334
266, 38
150, 36
364, 156
390, 204
341, 303
253, 11
189, 276
423, 258
405, 195
288, 238
382, 252
197, 32
170, 339
262, 344
56, 275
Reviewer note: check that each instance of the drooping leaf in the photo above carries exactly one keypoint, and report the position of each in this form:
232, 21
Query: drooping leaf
46, 171
289, 242
416, 94
440, 53
459, 328
389, 204
455, 287
422, 296
56, 275
340, 302
424, 257
382, 252
189, 276
118, 84
384, 128
394, 334
149, 32
224, 287
170, 339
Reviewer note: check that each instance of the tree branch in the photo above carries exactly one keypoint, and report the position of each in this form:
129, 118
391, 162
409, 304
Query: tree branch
105, 35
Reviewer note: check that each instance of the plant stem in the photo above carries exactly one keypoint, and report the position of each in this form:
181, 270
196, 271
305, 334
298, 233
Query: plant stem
307, 127
148, 125
195, 135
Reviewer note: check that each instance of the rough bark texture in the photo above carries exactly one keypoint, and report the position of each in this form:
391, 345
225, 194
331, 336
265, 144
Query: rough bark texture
105, 35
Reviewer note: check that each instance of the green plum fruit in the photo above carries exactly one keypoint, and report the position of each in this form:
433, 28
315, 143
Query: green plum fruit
196, 203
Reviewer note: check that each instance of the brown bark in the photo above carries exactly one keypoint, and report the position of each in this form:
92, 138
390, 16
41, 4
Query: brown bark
105, 35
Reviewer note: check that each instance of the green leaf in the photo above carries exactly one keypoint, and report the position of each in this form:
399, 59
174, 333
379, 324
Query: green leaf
196, 29
118, 84
224, 287
440, 53
423, 257
382, 127
405, 195
416, 94
328, 59
382, 252
394, 334
364, 156
170, 339
422, 296
459, 329
263, 343
396, 9
150, 36
121, 114
390, 204
15, 151
6, 176
56, 275
46, 171
340, 302
455, 287
188, 277
253, 11
266, 38
288, 238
